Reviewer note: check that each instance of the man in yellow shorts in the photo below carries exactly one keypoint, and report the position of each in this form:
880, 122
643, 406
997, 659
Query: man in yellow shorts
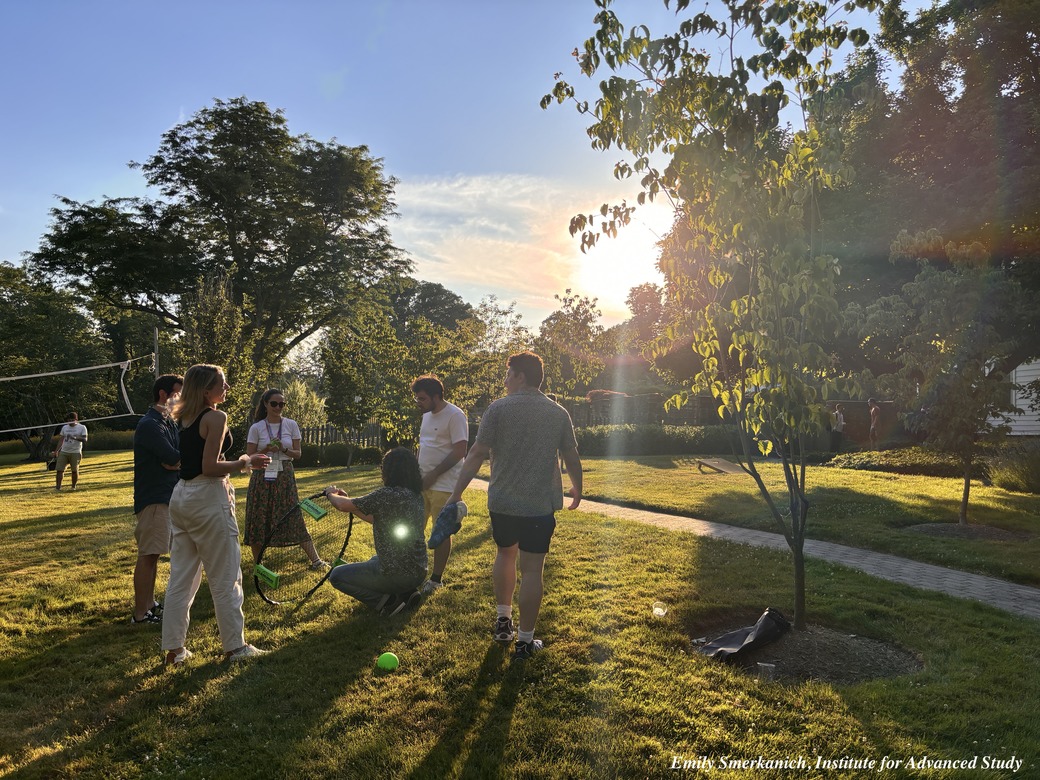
443, 438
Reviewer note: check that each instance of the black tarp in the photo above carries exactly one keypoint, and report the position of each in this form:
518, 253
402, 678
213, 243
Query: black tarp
770, 627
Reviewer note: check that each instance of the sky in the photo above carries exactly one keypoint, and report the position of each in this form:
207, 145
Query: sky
446, 92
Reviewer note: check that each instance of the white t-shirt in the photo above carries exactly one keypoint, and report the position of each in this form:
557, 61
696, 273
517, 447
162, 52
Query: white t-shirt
68, 431
263, 433
438, 432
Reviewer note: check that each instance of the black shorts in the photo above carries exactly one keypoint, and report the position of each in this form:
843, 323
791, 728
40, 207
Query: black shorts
531, 533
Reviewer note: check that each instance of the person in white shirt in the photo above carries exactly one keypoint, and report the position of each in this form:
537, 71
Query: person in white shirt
70, 451
443, 438
272, 492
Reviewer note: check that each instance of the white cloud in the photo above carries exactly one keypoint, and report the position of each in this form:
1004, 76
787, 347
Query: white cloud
508, 235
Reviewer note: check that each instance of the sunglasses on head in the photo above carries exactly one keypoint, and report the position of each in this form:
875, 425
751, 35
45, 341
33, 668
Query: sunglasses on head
276, 403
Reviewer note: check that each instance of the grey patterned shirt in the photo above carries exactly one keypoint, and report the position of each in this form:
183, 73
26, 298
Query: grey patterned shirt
525, 432
398, 529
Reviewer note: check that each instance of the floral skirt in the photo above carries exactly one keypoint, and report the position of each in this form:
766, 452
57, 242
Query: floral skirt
267, 504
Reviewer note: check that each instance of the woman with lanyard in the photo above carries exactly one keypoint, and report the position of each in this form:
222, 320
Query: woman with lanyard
272, 492
202, 515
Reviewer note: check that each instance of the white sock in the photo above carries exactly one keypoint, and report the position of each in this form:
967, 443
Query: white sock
525, 636
504, 610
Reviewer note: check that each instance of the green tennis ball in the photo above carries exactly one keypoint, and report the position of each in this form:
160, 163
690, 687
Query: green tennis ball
387, 661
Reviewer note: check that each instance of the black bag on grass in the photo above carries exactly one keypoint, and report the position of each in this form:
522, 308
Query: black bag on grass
770, 627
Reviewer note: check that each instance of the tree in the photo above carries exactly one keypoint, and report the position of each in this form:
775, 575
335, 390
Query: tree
47, 332
297, 226
567, 342
954, 356
431, 301
749, 286
308, 408
215, 332
497, 331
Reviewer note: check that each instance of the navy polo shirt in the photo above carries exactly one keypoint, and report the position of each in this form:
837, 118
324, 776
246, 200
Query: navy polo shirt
156, 441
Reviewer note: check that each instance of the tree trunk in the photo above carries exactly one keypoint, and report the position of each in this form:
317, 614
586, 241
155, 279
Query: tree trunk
964, 497
799, 588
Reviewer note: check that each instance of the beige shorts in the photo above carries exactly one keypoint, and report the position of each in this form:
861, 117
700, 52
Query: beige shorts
68, 459
434, 501
153, 530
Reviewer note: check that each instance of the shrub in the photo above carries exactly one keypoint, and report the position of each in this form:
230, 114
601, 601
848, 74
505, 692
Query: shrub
631, 440
905, 460
340, 454
109, 440
1016, 466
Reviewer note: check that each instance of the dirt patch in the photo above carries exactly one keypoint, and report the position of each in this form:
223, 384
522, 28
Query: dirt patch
958, 531
820, 653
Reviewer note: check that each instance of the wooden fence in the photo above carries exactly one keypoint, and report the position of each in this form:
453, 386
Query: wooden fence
368, 436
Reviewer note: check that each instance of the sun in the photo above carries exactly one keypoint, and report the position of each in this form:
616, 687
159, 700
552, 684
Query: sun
614, 266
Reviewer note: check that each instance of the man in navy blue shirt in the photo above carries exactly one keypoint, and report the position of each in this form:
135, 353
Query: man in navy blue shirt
157, 462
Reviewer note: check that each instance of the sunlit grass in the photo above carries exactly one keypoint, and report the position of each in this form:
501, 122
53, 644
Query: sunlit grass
617, 693
867, 509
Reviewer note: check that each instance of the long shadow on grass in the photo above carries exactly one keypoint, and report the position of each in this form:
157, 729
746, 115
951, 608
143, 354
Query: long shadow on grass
490, 743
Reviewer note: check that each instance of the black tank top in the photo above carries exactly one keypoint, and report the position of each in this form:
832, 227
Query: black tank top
192, 445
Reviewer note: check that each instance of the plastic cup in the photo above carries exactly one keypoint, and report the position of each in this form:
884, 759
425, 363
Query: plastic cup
660, 609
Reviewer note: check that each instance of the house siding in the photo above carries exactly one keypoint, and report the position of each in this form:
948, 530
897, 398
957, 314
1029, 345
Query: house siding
1028, 422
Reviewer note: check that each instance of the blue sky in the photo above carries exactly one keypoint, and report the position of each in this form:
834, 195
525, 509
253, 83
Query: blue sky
445, 91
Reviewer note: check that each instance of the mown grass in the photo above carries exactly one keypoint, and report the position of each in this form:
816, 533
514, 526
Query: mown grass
868, 509
617, 693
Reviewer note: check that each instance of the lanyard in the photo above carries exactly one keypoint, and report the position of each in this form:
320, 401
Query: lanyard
270, 436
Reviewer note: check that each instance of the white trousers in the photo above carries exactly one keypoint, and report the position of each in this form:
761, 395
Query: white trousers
205, 537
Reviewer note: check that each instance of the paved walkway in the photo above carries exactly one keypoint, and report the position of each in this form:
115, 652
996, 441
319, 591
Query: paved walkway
1017, 599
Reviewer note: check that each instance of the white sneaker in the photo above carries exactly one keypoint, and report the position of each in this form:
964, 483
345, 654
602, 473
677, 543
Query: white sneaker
244, 652
430, 586
174, 658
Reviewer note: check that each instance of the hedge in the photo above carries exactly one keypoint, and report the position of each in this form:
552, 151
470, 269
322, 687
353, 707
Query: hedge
906, 460
632, 440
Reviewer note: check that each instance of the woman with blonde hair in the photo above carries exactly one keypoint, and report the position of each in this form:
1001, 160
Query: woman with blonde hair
202, 513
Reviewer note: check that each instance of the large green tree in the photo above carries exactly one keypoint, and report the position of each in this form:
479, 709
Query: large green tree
954, 354
46, 332
298, 227
753, 293
568, 342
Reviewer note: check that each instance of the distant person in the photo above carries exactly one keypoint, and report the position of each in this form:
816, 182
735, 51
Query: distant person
272, 492
157, 463
875, 422
524, 434
837, 427
70, 450
443, 438
388, 582
202, 513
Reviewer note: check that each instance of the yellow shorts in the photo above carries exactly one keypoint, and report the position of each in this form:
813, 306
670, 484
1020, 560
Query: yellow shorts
434, 501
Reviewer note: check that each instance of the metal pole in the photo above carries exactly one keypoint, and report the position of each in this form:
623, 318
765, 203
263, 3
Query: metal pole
155, 360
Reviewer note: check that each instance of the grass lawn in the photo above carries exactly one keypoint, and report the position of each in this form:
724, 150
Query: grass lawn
616, 694
867, 509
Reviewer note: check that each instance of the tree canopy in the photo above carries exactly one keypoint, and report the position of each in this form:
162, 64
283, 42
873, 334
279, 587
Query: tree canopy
298, 227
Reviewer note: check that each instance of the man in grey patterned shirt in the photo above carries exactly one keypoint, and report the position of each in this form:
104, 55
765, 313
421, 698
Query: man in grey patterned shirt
525, 434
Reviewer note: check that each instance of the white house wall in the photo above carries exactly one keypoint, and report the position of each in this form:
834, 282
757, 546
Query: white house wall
1027, 423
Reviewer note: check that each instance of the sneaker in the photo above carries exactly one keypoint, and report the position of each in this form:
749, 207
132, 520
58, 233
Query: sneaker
448, 523
149, 617
503, 630
392, 604
430, 586
244, 652
413, 599
525, 650
319, 565
173, 658
157, 608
